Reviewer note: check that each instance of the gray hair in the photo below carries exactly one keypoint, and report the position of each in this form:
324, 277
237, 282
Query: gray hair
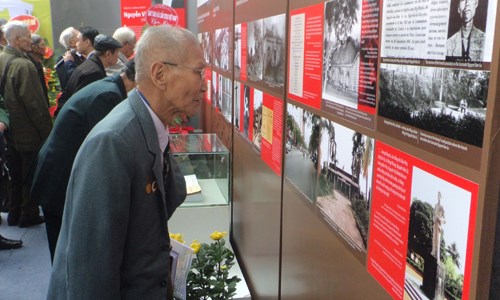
161, 43
36, 39
124, 34
66, 36
13, 29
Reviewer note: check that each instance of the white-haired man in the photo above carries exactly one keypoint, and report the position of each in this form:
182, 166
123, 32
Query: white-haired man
30, 122
124, 185
127, 37
71, 59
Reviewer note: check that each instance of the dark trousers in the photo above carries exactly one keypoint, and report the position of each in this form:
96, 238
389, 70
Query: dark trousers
53, 226
19, 200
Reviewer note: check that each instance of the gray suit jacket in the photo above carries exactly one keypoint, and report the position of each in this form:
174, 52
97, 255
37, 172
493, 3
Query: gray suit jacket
114, 241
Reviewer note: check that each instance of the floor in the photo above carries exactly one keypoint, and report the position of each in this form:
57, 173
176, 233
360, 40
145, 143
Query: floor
24, 272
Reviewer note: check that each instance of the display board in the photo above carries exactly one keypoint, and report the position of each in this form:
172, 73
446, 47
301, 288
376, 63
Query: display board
259, 64
381, 114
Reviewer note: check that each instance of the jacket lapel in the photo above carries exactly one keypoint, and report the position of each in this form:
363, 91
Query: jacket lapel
151, 138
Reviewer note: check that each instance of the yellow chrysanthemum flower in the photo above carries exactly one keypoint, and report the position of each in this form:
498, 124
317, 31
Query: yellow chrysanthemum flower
217, 235
178, 237
195, 245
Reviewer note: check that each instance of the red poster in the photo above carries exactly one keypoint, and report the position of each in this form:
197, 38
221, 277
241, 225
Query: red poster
305, 52
243, 55
271, 132
421, 228
136, 13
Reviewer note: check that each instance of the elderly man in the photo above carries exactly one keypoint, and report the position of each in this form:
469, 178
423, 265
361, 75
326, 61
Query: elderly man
466, 44
93, 69
29, 118
68, 62
54, 160
36, 56
124, 185
126, 36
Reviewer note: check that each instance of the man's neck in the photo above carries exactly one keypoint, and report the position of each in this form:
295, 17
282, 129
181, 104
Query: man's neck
466, 29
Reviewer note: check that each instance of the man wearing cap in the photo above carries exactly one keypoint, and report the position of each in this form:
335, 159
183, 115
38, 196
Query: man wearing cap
93, 69
54, 160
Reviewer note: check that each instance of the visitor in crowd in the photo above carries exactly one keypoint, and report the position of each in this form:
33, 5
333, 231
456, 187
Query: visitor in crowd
67, 63
126, 36
54, 160
92, 69
124, 185
36, 55
29, 121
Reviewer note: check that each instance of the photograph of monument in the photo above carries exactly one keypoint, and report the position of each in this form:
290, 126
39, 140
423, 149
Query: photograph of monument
448, 102
345, 181
301, 150
226, 95
437, 238
274, 50
341, 52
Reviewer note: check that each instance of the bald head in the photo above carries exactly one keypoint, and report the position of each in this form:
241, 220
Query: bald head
162, 43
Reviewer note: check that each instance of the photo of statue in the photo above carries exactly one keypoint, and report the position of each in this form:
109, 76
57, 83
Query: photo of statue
437, 231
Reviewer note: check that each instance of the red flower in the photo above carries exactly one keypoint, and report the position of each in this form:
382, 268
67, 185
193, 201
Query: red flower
48, 53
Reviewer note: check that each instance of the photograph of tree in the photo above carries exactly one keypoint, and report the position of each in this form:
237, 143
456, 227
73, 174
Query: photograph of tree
437, 238
301, 149
237, 99
221, 48
257, 118
274, 50
255, 49
206, 44
237, 49
341, 49
345, 181
447, 102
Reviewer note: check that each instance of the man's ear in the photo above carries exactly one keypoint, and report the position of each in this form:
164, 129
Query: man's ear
158, 75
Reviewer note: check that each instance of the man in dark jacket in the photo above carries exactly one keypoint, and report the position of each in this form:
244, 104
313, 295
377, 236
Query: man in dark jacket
55, 159
29, 118
93, 69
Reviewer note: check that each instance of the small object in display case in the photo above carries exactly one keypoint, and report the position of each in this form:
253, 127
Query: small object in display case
204, 162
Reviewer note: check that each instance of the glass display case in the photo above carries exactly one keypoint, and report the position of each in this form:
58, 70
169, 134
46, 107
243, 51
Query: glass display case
204, 161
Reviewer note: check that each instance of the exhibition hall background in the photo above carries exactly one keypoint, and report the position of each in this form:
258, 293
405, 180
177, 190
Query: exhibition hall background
286, 247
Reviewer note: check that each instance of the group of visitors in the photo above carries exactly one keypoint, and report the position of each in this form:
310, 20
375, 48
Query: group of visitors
90, 169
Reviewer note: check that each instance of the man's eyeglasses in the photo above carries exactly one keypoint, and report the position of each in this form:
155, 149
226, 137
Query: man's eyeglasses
200, 72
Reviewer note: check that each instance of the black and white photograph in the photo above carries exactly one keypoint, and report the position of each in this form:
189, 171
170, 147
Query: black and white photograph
345, 181
437, 238
466, 30
257, 118
341, 52
221, 48
171, 3
237, 50
237, 98
214, 88
219, 93
301, 156
274, 50
206, 43
447, 102
246, 109
255, 49
226, 98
